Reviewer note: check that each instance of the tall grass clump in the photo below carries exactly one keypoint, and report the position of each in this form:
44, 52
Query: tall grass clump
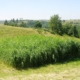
35, 50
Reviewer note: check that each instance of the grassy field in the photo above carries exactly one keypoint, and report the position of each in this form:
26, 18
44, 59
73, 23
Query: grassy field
9, 31
66, 71
12, 38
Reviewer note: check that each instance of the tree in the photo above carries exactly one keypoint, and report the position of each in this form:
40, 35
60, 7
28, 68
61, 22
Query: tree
23, 24
67, 29
17, 20
13, 20
38, 24
56, 24
5, 22
75, 31
70, 30
63, 20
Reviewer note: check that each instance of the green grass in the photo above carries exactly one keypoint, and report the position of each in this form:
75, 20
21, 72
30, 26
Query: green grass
25, 48
9, 31
36, 50
66, 71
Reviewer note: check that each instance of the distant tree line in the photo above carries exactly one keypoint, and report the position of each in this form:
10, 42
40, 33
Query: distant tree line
57, 27
54, 25
26, 23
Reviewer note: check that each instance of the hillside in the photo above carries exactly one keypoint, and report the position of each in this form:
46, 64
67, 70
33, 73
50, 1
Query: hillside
44, 23
28, 44
9, 31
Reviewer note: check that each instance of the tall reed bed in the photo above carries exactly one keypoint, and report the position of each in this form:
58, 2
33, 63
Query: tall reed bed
34, 51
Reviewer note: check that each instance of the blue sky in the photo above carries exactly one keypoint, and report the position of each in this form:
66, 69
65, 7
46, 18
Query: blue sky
39, 9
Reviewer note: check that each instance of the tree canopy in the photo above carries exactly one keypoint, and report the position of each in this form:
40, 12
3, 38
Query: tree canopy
55, 24
38, 24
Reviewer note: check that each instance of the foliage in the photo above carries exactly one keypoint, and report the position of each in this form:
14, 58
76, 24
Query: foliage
75, 31
67, 28
22, 24
70, 30
38, 24
27, 23
5, 22
34, 51
55, 24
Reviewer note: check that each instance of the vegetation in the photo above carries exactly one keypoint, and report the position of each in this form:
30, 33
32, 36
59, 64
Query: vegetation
70, 30
10, 32
57, 27
66, 71
22, 24
18, 42
34, 51
6, 22
38, 24
55, 24
26, 23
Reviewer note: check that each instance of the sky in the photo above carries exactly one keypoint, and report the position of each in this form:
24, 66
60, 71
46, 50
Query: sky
39, 9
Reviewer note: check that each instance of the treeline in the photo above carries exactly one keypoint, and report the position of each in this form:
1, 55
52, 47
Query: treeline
54, 25
57, 27
25, 23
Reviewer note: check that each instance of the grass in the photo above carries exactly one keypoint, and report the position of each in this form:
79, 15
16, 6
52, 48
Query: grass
58, 71
36, 50
66, 71
9, 31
